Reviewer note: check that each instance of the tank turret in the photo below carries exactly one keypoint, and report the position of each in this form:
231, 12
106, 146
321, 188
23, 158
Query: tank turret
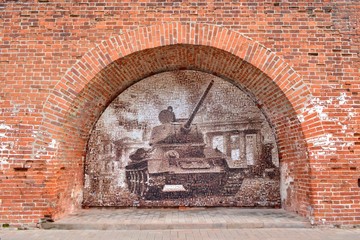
173, 131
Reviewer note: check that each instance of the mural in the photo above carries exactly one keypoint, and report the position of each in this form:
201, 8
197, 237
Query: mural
182, 138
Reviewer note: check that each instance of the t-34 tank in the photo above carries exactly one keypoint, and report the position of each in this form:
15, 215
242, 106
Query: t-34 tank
179, 164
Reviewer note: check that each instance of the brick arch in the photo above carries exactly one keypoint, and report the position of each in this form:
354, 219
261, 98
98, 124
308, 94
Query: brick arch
106, 70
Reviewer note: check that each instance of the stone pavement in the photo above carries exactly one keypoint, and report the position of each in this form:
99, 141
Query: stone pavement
187, 223
173, 218
188, 234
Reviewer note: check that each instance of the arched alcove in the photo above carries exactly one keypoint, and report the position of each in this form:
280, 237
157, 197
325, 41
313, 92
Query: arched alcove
78, 100
142, 153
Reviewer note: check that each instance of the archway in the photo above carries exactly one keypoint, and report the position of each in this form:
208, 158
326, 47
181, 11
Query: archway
80, 97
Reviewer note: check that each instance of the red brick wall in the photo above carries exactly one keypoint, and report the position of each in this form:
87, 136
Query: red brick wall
62, 63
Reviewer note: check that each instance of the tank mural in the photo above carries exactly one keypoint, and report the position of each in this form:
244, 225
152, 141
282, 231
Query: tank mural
182, 138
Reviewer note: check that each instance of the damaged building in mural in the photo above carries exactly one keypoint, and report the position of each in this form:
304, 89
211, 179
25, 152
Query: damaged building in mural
206, 145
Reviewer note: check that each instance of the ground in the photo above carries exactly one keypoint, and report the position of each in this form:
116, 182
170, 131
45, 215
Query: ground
198, 234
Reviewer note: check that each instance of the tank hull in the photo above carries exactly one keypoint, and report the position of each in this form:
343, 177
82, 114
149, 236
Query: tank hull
156, 179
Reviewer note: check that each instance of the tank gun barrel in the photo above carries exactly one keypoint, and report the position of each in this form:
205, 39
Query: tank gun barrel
198, 105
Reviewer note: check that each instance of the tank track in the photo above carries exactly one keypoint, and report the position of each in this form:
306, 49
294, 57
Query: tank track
137, 181
233, 183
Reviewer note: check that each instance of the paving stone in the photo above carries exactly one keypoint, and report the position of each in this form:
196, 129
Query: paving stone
192, 218
189, 234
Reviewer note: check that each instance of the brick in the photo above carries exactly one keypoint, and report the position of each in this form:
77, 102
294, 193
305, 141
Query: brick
62, 68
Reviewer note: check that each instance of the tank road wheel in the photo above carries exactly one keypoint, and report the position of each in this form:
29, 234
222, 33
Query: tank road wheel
143, 185
130, 182
136, 182
133, 182
139, 182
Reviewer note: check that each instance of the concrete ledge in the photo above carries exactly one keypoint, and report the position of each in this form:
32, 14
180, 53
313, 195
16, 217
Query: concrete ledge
162, 226
172, 219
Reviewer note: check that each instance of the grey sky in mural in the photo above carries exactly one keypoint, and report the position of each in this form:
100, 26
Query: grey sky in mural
237, 147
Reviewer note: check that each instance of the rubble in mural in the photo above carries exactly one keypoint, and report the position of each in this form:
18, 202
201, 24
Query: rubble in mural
208, 145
